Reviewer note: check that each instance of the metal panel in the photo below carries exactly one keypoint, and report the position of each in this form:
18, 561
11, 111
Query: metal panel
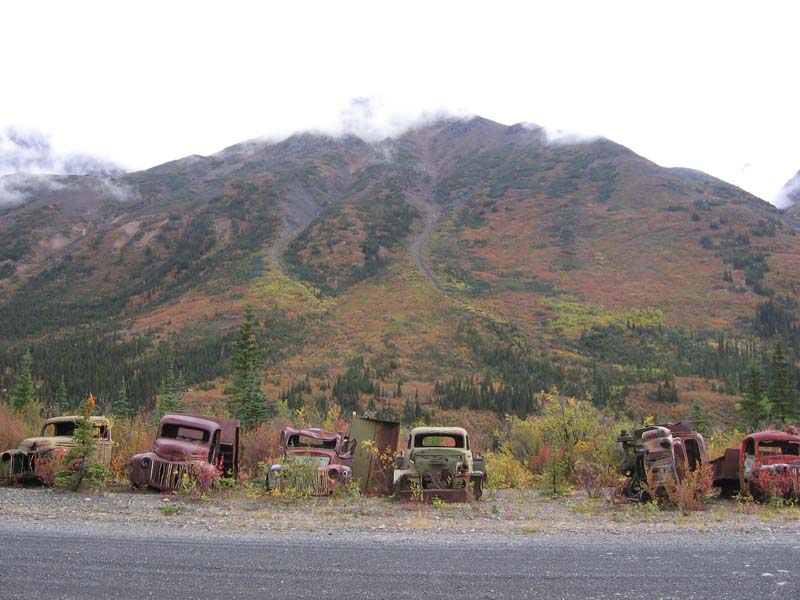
373, 459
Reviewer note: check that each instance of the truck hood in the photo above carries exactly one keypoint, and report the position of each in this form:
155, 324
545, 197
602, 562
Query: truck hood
177, 450
40, 444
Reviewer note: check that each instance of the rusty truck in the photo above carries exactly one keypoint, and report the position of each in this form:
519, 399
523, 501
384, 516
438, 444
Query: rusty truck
438, 462
315, 460
34, 460
766, 464
188, 446
658, 456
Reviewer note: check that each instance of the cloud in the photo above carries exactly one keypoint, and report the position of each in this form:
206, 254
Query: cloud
15, 189
789, 193
30, 152
29, 165
566, 138
373, 120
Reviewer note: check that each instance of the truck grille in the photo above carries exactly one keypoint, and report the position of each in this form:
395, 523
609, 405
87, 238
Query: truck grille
166, 475
321, 484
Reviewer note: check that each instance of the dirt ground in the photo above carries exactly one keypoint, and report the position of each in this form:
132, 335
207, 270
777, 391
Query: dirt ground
512, 513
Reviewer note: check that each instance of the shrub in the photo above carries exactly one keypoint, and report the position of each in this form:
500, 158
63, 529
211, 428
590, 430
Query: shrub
13, 428
259, 446
693, 490
772, 485
571, 438
506, 472
130, 437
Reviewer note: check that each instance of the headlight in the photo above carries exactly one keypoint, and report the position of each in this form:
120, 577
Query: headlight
333, 473
146, 462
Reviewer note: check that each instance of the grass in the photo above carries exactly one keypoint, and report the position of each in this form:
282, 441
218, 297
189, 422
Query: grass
169, 510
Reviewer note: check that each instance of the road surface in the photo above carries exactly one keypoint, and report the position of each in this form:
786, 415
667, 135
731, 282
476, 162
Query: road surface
78, 565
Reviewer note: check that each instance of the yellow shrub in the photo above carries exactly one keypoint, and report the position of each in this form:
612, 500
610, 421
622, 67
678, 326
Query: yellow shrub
506, 472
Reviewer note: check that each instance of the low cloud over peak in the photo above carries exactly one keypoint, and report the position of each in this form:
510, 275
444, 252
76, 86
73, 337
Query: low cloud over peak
30, 153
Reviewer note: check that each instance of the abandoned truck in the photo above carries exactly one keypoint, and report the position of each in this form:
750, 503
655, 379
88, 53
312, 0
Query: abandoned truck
438, 463
766, 464
188, 446
658, 456
33, 459
314, 460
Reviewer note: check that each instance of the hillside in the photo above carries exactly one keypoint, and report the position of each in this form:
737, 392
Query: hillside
462, 264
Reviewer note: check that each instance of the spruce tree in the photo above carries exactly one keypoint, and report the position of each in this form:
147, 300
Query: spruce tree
699, 418
84, 445
61, 405
122, 409
23, 395
170, 393
781, 390
246, 402
251, 404
754, 408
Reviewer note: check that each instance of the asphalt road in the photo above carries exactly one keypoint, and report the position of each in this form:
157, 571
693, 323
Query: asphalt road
76, 565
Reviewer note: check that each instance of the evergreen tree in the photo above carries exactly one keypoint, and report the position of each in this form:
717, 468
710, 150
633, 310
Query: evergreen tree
781, 390
122, 409
246, 402
251, 404
754, 408
79, 455
61, 405
699, 418
170, 393
23, 395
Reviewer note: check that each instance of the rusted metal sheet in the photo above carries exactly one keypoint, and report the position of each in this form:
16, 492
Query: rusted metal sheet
373, 459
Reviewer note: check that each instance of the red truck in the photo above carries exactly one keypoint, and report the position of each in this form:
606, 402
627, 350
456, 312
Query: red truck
313, 459
188, 445
767, 463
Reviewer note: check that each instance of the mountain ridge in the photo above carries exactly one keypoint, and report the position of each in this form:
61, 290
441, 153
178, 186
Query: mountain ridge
458, 249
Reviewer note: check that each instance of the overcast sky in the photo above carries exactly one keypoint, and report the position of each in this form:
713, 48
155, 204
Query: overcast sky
701, 84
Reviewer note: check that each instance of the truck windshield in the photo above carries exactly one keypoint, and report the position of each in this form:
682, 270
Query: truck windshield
775, 447
67, 429
438, 440
184, 433
304, 441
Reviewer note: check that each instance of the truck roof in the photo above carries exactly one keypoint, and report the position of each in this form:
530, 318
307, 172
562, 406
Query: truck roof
229, 427
73, 418
314, 433
773, 436
438, 431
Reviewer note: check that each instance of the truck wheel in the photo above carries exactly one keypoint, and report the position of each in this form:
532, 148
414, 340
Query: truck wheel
477, 488
755, 491
727, 489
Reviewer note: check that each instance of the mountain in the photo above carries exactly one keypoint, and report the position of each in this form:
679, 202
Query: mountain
791, 193
462, 264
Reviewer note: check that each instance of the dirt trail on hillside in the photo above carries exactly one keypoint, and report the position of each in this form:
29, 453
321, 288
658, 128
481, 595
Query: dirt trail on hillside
424, 201
420, 244
299, 211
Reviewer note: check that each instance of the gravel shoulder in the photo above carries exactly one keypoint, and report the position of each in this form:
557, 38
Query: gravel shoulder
246, 512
